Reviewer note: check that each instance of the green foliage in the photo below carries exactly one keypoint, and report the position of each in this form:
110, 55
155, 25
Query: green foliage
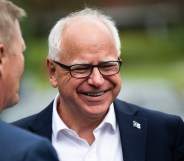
35, 59
154, 54
153, 47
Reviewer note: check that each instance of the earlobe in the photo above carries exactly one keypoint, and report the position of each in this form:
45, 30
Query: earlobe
52, 72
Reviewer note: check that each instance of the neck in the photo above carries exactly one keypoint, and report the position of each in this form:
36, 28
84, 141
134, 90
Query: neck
83, 126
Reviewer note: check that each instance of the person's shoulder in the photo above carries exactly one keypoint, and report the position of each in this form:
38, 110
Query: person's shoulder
156, 121
136, 110
24, 122
17, 133
17, 144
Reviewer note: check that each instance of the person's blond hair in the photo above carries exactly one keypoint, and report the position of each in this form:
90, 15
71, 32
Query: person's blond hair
9, 13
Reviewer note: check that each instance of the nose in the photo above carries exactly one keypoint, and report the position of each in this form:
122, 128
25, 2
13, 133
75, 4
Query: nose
96, 79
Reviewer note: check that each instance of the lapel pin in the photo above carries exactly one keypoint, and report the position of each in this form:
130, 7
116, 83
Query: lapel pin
136, 125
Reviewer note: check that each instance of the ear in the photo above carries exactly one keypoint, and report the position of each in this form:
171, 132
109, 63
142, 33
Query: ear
2, 51
52, 72
2, 55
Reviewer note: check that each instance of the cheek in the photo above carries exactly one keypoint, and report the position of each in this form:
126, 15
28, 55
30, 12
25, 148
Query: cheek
69, 86
117, 84
115, 79
22, 59
20, 64
118, 80
65, 83
21, 68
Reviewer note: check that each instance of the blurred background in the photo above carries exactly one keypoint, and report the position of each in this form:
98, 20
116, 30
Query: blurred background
152, 37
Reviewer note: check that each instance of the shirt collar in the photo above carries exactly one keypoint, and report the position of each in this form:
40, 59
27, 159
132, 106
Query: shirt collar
110, 119
58, 124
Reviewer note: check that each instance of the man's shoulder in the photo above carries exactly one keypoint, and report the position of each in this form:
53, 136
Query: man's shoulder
24, 122
155, 120
143, 112
11, 136
17, 143
16, 134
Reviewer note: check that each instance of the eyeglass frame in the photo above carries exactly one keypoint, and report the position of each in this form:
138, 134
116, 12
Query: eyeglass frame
68, 67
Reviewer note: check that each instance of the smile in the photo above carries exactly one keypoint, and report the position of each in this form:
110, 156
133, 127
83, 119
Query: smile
94, 94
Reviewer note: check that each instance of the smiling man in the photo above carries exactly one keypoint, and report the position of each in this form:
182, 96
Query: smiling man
86, 121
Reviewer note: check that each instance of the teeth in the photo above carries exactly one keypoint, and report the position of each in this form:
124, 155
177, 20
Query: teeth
95, 94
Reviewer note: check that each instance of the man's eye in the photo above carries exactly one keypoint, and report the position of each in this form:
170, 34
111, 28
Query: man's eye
108, 66
80, 69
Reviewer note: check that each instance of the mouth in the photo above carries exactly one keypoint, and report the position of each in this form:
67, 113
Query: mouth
96, 94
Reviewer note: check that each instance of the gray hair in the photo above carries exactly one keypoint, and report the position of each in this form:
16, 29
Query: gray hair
9, 13
55, 36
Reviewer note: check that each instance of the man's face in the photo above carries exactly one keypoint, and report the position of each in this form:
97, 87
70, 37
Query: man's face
12, 69
90, 43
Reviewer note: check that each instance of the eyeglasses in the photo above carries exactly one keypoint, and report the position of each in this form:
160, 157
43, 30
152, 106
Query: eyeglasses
107, 68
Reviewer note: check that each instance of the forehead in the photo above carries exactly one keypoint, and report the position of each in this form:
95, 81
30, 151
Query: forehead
83, 38
84, 27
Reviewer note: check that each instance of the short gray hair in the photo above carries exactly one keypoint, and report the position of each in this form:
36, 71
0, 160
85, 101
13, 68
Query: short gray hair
9, 13
55, 36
